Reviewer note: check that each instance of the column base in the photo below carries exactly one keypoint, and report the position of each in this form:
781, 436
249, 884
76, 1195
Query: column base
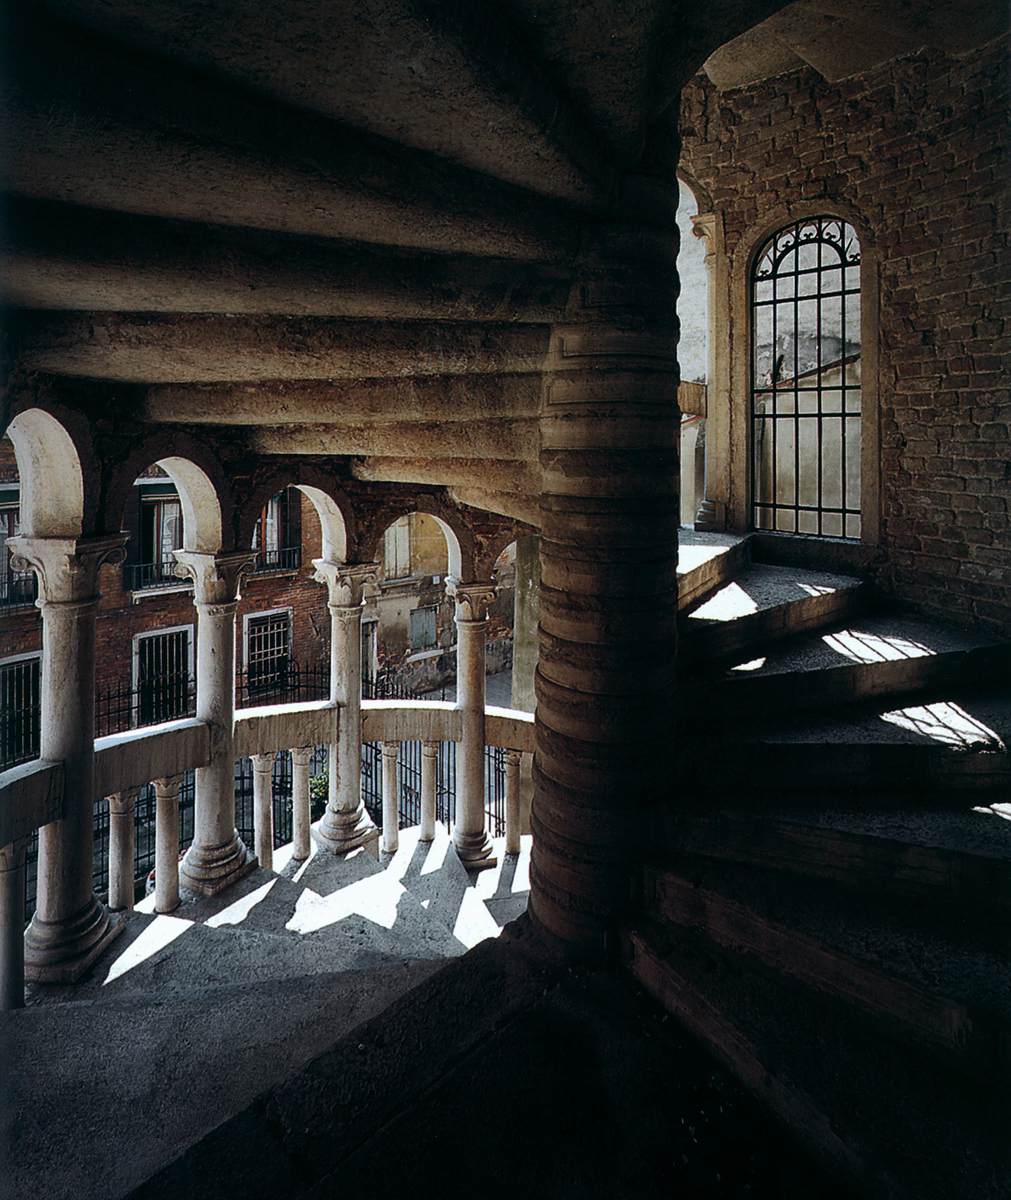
207, 870
474, 850
711, 517
340, 833
64, 951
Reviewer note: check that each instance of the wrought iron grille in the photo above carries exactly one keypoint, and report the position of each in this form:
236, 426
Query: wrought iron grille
288, 558
290, 684
20, 712
805, 380
139, 577
268, 649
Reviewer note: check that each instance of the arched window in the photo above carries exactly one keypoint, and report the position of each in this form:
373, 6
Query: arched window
805, 380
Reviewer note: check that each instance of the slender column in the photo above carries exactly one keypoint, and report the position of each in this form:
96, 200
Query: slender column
712, 512
70, 927
429, 784
166, 844
345, 825
300, 803
263, 809
609, 540
391, 797
217, 856
470, 835
526, 607
512, 801
12, 941
122, 849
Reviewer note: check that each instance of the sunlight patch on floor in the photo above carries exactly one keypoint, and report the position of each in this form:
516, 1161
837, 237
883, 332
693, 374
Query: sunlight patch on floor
875, 647
815, 589
756, 664
375, 898
160, 933
237, 912
690, 557
728, 604
948, 723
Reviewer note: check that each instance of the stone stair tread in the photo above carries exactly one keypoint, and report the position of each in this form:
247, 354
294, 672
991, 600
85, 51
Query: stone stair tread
970, 720
760, 587
941, 1134
890, 940
869, 639
154, 1073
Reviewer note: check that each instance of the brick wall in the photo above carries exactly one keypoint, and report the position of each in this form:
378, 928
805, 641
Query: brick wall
919, 148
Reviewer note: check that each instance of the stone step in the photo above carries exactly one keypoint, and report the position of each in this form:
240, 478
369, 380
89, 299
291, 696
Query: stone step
102, 1093
875, 656
955, 860
764, 604
930, 985
856, 1097
706, 563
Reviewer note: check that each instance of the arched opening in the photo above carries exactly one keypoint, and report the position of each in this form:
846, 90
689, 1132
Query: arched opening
805, 407
693, 353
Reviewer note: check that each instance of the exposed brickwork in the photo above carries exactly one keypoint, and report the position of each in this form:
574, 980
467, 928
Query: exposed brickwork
920, 149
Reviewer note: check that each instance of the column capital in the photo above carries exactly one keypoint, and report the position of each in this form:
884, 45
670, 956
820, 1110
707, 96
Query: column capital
513, 757
123, 803
262, 763
391, 746
169, 787
12, 856
217, 578
473, 600
67, 567
301, 756
345, 582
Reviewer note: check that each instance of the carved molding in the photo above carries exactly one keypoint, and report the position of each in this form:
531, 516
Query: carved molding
67, 568
345, 582
217, 578
473, 600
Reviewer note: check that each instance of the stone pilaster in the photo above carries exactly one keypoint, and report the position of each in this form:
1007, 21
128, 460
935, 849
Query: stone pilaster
609, 543
470, 835
217, 856
70, 927
345, 825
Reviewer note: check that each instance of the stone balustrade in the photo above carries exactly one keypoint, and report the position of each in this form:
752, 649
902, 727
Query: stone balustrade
31, 794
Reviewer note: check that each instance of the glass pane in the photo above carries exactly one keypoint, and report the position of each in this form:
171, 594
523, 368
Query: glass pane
785, 463
807, 492
831, 462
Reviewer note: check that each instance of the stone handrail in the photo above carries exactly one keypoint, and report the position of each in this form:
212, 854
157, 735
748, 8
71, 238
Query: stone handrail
135, 757
31, 796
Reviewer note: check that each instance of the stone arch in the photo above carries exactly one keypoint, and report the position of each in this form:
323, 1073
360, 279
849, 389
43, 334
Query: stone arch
199, 479
335, 514
51, 473
459, 538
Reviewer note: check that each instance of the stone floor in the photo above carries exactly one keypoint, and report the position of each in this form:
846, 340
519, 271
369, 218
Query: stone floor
189, 1016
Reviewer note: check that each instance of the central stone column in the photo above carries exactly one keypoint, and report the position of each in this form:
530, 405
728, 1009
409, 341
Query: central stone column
469, 833
70, 927
345, 825
609, 542
217, 856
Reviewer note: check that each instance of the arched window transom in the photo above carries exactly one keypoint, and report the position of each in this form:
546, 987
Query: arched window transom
805, 380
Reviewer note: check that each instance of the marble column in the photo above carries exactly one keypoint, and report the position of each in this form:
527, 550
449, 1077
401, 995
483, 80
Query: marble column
12, 941
512, 801
712, 513
301, 804
470, 835
263, 809
391, 798
70, 928
217, 856
606, 681
345, 825
429, 787
166, 844
122, 849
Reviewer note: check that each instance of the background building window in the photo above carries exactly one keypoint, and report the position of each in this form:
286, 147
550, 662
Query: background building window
277, 533
163, 675
20, 714
397, 557
423, 627
268, 652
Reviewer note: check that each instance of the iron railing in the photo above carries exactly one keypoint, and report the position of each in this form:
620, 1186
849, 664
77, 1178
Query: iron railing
288, 558
125, 705
141, 577
283, 683
20, 712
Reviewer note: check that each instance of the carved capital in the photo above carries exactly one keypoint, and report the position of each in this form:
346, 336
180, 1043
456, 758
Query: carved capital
301, 756
12, 856
263, 764
167, 789
217, 578
67, 567
513, 757
345, 582
473, 600
122, 804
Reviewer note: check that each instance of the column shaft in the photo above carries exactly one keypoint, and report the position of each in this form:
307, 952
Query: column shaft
391, 798
300, 803
12, 940
470, 835
512, 801
166, 846
429, 786
263, 809
122, 849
